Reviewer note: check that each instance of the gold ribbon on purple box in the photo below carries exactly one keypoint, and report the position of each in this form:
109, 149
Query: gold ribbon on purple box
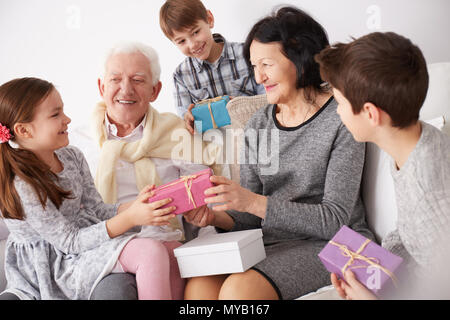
358, 256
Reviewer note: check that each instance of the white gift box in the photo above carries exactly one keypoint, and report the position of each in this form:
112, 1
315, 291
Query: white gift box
222, 253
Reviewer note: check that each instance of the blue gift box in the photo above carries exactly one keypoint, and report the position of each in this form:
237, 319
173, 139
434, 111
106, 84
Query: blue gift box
212, 113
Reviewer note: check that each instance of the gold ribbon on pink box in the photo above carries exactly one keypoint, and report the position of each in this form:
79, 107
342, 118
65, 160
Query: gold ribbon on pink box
187, 184
358, 256
187, 181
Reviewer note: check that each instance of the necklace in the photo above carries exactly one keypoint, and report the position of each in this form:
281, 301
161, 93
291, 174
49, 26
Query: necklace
304, 118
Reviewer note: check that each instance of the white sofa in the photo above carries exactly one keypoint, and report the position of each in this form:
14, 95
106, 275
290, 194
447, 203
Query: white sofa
377, 185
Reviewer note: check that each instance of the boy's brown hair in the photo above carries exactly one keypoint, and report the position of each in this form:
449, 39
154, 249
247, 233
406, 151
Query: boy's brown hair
385, 69
177, 15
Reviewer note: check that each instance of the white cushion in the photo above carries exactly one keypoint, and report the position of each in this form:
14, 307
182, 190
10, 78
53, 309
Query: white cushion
378, 192
437, 102
81, 137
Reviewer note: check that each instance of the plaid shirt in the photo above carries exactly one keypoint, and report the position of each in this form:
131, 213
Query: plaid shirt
197, 80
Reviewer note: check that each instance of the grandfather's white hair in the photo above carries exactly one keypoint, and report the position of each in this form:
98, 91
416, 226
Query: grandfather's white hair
132, 47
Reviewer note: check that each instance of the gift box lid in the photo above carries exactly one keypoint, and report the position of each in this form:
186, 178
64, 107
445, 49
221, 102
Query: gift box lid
225, 99
218, 242
178, 183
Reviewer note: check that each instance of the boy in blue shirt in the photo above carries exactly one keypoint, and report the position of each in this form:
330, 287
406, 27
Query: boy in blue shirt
213, 67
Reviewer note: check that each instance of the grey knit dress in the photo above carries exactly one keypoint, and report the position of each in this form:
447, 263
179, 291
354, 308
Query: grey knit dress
311, 175
61, 254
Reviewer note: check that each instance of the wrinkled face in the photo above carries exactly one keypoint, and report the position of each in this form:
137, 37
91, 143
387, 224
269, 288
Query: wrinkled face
196, 42
273, 70
355, 123
127, 87
48, 130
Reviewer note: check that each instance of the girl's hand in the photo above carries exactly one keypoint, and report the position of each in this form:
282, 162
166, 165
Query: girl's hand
232, 196
351, 289
201, 217
189, 119
143, 213
139, 213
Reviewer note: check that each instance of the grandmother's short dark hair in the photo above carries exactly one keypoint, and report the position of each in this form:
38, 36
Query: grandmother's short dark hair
301, 38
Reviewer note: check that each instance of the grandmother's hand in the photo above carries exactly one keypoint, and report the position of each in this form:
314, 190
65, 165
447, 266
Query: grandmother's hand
232, 196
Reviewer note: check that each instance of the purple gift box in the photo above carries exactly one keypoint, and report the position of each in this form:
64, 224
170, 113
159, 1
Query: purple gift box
373, 266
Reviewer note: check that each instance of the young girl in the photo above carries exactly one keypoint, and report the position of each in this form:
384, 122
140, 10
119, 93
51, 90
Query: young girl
63, 238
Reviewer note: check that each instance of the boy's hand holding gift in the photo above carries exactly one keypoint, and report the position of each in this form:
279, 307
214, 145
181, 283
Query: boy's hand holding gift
189, 119
351, 288
368, 268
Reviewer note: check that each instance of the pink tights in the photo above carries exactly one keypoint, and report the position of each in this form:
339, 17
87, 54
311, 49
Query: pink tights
155, 267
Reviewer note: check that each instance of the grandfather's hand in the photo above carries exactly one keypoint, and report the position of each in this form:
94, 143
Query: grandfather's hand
232, 196
201, 217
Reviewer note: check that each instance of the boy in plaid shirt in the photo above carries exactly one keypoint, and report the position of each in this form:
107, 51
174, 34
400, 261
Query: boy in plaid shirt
213, 67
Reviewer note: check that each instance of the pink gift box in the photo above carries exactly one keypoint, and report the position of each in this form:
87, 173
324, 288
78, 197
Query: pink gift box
373, 266
179, 191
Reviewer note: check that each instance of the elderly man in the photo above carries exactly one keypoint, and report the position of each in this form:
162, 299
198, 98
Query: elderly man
137, 147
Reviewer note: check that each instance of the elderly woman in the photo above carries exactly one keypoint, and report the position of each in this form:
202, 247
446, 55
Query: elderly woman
317, 187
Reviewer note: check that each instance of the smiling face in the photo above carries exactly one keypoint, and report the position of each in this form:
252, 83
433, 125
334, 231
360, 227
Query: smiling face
127, 88
273, 70
197, 41
47, 131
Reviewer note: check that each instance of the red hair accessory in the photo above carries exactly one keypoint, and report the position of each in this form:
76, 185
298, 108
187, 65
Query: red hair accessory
5, 134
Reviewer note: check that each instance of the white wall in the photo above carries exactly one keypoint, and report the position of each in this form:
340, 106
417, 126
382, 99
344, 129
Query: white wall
63, 40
